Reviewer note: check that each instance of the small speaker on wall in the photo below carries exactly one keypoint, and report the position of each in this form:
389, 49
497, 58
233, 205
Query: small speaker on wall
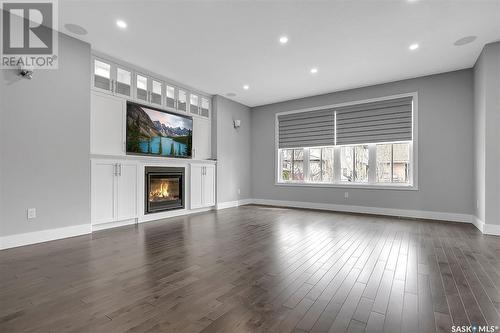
26, 72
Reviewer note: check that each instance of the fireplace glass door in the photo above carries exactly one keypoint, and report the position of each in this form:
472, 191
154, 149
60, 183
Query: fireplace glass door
164, 189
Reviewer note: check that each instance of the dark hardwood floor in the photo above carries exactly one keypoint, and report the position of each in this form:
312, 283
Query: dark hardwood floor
253, 269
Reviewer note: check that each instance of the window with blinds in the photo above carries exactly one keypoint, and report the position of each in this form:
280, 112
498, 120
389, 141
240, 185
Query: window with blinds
370, 143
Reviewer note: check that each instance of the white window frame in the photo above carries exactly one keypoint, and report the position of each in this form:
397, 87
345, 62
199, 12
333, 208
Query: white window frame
412, 184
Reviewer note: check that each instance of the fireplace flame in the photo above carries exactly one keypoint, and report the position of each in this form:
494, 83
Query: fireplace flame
160, 192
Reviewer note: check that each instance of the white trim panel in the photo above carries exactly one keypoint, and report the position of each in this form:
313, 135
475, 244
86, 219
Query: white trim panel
7, 242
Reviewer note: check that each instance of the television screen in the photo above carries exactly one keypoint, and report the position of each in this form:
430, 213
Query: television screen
154, 132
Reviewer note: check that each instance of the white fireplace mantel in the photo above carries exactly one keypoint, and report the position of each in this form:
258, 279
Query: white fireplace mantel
118, 199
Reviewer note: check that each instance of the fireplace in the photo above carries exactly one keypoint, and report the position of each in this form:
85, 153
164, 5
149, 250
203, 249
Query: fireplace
164, 189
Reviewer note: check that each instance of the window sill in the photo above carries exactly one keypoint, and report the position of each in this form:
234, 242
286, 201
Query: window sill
344, 185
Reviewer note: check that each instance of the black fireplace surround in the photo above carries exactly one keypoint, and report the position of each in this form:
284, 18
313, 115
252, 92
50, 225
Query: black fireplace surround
164, 189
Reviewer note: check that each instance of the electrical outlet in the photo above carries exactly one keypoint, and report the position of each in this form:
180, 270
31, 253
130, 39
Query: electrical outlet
31, 213
346, 195
239, 191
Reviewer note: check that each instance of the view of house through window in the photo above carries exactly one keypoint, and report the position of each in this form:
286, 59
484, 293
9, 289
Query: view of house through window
391, 163
400, 162
384, 163
354, 163
321, 164
292, 164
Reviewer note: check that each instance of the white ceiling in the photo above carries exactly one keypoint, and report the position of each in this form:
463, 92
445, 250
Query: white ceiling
218, 46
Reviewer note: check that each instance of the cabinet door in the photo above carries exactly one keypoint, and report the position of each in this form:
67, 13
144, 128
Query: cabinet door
123, 82
205, 107
170, 96
101, 78
107, 124
209, 186
196, 186
141, 88
202, 146
194, 104
181, 100
126, 191
103, 192
156, 92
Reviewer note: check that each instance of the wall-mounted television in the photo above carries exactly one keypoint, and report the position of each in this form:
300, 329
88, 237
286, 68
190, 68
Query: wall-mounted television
155, 132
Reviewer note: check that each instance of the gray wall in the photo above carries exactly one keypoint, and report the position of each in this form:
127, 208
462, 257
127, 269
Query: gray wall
487, 134
2, 130
232, 149
445, 147
44, 140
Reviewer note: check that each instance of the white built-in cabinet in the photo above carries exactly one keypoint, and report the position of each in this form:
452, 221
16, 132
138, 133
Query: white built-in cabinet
149, 90
114, 79
107, 116
205, 107
202, 186
113, 191
209, 186
202, 144
111, 78
116, 180
108, 121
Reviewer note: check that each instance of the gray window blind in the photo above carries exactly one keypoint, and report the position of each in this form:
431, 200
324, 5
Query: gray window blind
307, 129
381, 121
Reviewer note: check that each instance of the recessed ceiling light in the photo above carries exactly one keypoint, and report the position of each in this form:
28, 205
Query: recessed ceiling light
413, 46
283, 40
121, 24
246, 87
314, 70
465, 40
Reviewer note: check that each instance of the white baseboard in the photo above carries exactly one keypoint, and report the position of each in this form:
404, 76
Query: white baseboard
7, 242
478, 223
487, 229
420, 214
11, 241
230, 204
172, 213
110, 225
491, 229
